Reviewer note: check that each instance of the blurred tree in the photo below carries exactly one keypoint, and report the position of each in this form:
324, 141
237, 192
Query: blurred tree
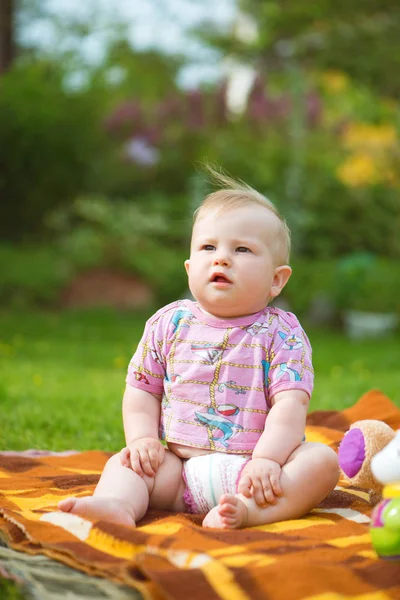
360, 38
93, 50
54, 105
7, 31
49, 143
44, 31
127, 70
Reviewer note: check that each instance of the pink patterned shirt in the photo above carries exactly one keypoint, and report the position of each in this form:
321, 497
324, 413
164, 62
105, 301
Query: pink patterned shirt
216, 376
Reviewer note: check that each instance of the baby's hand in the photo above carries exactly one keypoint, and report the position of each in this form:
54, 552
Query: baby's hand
260, 479
143, 456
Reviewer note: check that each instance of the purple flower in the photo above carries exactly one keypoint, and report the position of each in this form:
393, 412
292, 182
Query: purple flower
220, 113
170, 108
129, 114
195, 117
257, 104
139, 150
260, 106
314, 108
283, 106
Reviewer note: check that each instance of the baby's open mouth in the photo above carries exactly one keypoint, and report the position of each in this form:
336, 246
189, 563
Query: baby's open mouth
220, 279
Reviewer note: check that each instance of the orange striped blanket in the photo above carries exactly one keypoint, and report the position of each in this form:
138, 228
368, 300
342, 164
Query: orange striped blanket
326, 555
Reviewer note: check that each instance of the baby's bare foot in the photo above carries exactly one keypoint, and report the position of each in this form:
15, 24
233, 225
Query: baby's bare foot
96, 509
230, 513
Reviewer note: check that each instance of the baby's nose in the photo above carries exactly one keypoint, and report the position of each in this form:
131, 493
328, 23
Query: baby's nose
221, 260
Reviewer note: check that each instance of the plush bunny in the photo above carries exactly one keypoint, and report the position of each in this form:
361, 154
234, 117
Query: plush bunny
385, 518
360, 444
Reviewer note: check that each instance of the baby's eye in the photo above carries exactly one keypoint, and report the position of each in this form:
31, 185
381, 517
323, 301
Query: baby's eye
242, 249
208, 247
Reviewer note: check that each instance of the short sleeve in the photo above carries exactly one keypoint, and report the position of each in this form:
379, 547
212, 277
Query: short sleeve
290, 366
147, 367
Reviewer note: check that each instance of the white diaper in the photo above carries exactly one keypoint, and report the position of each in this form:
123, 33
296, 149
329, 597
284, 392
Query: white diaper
209, 476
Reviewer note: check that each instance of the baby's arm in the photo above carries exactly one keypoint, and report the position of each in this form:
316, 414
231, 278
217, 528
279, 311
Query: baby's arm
144, 452
283, 432
284, 427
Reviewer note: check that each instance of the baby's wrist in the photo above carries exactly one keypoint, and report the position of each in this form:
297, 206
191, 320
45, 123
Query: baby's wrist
140, 438
258, 456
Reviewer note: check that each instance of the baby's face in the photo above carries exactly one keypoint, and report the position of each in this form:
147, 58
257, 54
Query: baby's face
231, 270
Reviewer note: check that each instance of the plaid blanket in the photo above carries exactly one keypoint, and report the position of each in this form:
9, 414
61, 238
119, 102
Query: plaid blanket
326, 555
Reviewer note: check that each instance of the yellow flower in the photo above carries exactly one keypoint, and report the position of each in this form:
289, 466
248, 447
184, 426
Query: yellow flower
18, 340
336, 372
120, 362
391, 177
365, 374
358, 170
389, 104
37, 380
335, 81
357, 366
364, 136
6, 349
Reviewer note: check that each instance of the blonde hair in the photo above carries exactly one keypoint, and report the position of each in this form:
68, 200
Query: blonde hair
235, 194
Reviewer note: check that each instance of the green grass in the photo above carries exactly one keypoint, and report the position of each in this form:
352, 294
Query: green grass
346, 369
62, 376
9, 590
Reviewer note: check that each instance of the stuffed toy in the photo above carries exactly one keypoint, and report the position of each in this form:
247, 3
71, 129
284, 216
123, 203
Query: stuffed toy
361, 443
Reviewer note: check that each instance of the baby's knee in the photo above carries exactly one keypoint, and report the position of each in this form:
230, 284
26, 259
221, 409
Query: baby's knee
326, 464
168, 486
114, 462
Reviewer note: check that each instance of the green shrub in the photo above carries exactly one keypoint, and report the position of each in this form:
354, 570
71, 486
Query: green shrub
367, 283
123, 235
10, 590
97, 232
329, 158
50, 140
310, 280
358, 281
31, 274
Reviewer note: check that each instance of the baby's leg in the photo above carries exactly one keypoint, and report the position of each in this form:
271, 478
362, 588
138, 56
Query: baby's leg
122, 496
308, 476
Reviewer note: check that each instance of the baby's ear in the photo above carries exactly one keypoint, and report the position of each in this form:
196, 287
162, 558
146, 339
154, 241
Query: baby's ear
187, 265
281, 277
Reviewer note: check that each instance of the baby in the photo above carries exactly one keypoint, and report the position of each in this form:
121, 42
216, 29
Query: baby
225, 382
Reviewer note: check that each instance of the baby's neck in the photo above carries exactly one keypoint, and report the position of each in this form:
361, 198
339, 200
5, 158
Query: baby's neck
222, 318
